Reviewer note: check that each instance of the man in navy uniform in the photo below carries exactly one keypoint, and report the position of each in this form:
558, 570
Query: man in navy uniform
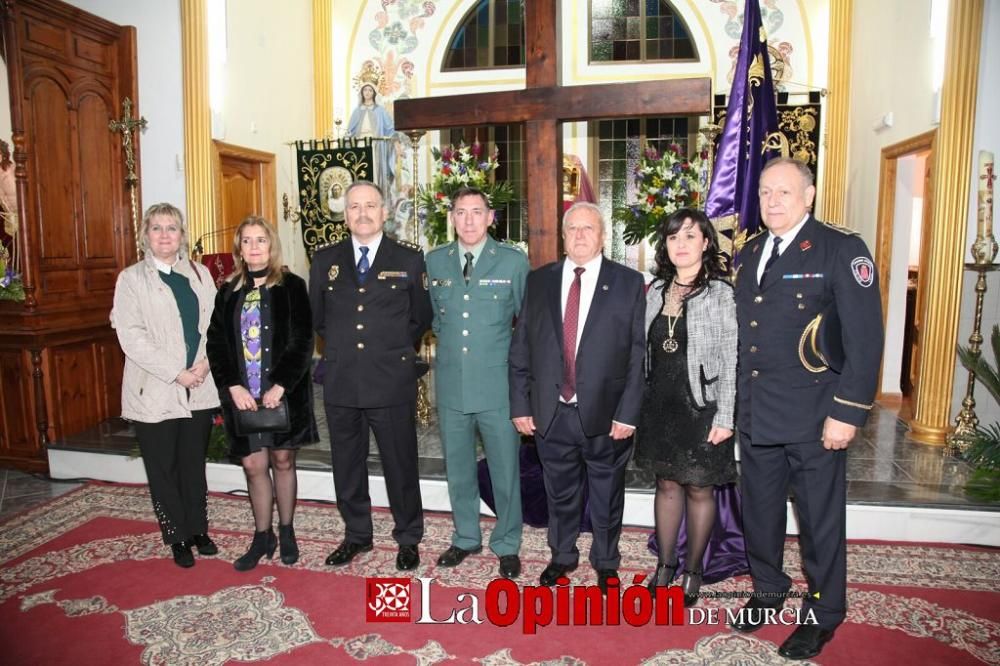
810, 321
371, 307
476, 288
576, 382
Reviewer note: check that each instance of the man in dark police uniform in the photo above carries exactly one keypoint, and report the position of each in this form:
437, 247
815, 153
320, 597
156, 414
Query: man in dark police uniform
371, 307
810, 321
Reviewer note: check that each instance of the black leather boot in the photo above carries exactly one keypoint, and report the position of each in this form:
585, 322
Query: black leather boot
263, 544
289, 548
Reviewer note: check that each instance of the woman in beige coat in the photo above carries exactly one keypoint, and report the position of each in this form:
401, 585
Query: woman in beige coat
162, 308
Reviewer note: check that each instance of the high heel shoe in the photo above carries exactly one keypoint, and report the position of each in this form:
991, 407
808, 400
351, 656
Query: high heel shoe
289, 547
662, 577
263, 544
691, 585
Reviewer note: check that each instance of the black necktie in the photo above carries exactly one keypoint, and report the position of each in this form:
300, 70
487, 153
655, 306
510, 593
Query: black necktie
467, 269
771, 259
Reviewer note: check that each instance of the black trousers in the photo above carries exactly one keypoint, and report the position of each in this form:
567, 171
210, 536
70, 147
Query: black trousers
818, 478
569, 460
173, 453
395, 430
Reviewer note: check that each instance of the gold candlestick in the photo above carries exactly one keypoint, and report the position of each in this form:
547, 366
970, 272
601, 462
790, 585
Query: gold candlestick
984, 249
415, 135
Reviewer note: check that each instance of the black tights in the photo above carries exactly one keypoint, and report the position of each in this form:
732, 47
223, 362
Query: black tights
259, 466
668, 508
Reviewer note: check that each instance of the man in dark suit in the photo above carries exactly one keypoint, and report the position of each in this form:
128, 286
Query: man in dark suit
576, 365
371, 307
810, 322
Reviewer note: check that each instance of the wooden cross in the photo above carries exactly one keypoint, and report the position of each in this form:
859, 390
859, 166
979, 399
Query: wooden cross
542, 106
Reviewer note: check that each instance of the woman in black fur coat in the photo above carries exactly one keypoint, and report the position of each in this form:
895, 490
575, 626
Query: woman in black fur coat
260, 346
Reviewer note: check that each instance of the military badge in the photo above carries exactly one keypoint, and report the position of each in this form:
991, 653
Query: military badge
333, 272
386, 275
863, 270
805, 245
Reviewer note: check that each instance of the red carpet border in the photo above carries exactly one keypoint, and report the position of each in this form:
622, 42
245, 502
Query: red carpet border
85, 579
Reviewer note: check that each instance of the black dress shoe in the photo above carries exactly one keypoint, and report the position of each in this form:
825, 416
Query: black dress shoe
553, 572
691, 585
751, 617
454, 555
346, 552
204, 544
408, 557
510, 566
805, 642
183, 557
604, 576
662, 577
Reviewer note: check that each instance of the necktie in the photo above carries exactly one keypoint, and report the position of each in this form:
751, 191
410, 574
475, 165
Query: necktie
772, 258
570, 321
467, 269
363, 265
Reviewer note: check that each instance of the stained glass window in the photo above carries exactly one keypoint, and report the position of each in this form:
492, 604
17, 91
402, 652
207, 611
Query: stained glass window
638, 31
490, 35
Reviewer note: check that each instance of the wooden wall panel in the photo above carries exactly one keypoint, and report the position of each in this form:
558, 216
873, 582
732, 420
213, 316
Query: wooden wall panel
17, 436
100, 153
75, 388
52, 173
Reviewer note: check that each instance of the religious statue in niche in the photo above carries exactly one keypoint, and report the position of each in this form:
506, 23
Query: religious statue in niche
371, 121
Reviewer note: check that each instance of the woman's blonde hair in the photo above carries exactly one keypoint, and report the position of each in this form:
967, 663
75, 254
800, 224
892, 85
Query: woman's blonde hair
274, 262
166, 210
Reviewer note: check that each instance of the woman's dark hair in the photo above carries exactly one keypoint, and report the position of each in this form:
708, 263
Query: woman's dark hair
713, 262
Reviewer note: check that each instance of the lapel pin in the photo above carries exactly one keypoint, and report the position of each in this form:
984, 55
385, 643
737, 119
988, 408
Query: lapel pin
805, 245
333, 272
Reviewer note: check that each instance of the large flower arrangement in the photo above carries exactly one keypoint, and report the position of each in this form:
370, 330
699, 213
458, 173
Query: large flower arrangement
663, 183
465, 166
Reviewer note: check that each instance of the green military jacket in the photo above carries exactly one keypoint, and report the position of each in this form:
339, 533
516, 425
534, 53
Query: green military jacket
473, 323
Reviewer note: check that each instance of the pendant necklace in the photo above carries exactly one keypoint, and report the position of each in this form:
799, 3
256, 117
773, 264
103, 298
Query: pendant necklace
670, 345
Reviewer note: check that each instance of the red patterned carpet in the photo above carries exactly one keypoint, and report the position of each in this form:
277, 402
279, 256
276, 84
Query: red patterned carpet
84, 580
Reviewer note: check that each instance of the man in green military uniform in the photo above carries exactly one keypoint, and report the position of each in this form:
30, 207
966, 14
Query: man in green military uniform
476, 287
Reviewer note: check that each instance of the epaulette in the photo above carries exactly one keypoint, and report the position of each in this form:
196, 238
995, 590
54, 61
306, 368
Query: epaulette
842, 229
410, 246
326, 245
510, 247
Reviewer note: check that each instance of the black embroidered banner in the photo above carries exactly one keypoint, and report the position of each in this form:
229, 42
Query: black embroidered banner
325, 170
798, 124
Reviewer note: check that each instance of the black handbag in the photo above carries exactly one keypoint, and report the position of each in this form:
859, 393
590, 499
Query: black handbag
275, 419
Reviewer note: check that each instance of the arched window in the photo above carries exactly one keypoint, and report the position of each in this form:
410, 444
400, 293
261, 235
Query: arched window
638, 31
491, 34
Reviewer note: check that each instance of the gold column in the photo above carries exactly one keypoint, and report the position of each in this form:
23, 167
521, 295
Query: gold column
198, 175
837, 109
323, 67
951, 180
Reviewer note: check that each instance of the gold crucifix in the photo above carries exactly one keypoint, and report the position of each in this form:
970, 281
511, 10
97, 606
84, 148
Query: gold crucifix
126, 126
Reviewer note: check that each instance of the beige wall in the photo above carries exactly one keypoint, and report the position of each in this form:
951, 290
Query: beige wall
269, 88
890, 73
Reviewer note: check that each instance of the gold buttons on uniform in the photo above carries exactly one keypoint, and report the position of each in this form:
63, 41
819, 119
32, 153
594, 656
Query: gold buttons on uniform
361, 308
802, 306
465, 332
360, 327
753, 324
465, 350
754, 373
753, 349
361, 290
361, 345
798, 295
465, 315
465, 297
758, 299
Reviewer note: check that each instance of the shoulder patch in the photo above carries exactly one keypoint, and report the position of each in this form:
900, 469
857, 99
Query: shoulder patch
863, 271
842, 229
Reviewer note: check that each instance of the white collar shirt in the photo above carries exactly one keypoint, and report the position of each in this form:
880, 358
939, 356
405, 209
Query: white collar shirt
588, 285
786, 242
372, 249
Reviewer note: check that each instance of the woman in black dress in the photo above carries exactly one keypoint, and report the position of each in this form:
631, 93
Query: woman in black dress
685, 433
260, 346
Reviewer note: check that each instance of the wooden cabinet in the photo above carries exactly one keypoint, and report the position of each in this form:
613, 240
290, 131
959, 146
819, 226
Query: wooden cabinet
60, 364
